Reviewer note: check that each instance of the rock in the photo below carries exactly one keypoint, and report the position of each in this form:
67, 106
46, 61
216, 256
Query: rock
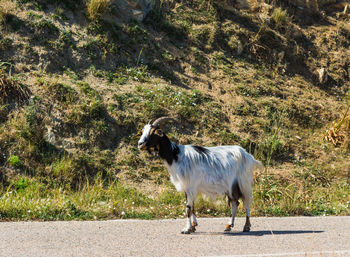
239, 48
308, 4
50, 136
281, 56
312, 5
322, 75
242, 4
139, 8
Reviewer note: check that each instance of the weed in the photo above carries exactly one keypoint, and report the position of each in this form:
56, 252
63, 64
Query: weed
139, 73
61, 92
82, 113
279, 17
88, 90
32, 128
271, 147
3, 112
73, 75
33, 15
59, 14
63, 170
204, 35
99, 47
64, 40
22, 184
46, 25
14, 161
5, 43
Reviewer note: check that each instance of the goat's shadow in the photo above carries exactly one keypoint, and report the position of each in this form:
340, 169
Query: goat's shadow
261, 232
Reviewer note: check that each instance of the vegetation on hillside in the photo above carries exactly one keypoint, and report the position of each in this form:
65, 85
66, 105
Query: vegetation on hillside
79, 79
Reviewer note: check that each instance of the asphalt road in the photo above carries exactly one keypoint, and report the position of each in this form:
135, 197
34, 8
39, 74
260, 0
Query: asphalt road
294, 236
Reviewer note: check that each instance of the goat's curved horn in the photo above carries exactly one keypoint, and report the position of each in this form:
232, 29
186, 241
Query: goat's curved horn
151, 121
161, 120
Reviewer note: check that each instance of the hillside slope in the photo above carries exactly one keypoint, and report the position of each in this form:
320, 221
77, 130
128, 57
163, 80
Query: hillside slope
75, 91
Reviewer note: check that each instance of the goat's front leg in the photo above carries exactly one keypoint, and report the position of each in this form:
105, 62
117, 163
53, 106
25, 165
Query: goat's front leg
194, 220
190, 227
235, 204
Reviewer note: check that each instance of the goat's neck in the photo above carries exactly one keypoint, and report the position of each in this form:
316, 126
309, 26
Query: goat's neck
168, 150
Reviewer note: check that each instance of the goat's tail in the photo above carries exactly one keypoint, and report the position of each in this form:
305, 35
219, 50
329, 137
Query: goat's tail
245, 177
258, 165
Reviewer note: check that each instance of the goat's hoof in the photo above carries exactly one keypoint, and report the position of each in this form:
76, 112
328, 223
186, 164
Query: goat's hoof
227, 228
186, 231
246, 229
193, 229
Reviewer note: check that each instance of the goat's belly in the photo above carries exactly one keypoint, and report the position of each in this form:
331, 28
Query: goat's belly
212, 190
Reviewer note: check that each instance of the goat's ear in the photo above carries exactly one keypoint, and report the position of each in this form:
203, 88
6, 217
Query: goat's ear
159, 132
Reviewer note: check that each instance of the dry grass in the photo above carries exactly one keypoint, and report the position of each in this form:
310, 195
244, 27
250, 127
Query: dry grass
7, 8
97, 8
339, 133
11, 90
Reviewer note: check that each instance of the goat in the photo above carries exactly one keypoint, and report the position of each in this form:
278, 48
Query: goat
212, 171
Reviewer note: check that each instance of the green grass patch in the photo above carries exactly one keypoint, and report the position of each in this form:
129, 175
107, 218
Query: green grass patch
28, 199
157, 100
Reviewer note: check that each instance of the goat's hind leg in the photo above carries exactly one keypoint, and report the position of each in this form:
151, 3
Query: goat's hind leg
246, 203
230, 225
247, 224
233, 198
194, 220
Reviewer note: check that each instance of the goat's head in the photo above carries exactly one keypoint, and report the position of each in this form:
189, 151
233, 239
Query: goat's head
152, 134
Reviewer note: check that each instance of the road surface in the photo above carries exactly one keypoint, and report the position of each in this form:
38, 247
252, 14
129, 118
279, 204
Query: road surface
292, 236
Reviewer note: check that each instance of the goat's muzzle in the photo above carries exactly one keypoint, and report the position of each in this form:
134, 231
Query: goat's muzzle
142, 146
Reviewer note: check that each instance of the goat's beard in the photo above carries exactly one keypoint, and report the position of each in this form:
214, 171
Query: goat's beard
152, 150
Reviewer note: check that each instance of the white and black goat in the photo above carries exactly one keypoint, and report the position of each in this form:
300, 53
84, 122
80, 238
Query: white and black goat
212, 171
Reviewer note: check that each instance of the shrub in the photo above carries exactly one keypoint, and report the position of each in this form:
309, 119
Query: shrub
22, 184
14, 161
97, 8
